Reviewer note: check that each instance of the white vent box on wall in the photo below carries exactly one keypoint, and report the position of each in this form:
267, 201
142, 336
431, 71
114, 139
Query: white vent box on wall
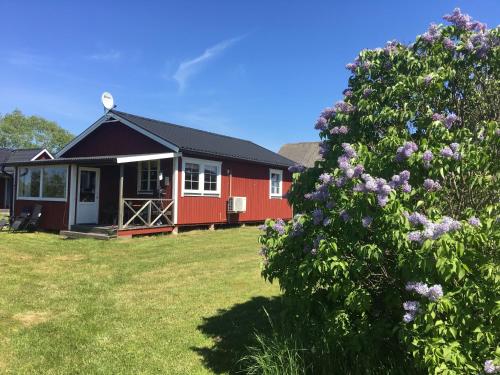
237, 204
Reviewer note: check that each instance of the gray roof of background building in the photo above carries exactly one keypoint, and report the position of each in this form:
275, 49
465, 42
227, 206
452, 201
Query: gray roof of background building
203, 142
304, 153
8, 155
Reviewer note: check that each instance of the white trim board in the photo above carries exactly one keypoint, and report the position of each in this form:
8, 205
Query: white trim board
108, 117
41, 153
132, 159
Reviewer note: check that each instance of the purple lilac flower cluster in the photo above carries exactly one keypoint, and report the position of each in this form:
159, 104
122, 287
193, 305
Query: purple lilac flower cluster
328, 113
451, 151
263, 227
317, 216
449, 44
347, 93
366, 221
474, 221
401, 180
321, 193
375, 185
412, 308
431, 230
321, 124
447, 120
367, 92
391, 47
433, 293
490, 367
427, 157
354, 65
480, 42
297, 168
344, 215
279, 226
344, 107
339, 130
432, 34
464, 21
405, 151
431, 185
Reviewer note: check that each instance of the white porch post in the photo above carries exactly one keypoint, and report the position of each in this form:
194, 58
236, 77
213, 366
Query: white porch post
175, 187
72, 195
120, 199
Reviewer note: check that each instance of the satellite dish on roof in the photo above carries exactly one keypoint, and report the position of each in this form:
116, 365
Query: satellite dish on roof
107, 101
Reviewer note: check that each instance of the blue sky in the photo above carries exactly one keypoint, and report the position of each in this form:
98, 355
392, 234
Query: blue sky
260, 70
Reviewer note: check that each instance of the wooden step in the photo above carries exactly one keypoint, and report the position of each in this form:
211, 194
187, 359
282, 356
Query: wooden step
108, 230
95, 236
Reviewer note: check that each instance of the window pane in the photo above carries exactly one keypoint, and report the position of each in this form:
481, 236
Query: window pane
29, 182
210, 178
87, 186
275, 183
148, 175
54, 182
192, 176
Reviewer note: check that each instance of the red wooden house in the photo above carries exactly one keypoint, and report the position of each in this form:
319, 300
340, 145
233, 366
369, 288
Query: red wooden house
128, 175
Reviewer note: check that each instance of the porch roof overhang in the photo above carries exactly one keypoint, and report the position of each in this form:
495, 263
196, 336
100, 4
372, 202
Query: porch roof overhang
99, 160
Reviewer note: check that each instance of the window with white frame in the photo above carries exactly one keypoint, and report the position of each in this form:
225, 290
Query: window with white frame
42, 183
201, 177
275, 183
147, 176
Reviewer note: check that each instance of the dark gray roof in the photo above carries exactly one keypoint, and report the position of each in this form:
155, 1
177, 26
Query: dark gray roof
304, 153
19, 155
203, 142
4, 154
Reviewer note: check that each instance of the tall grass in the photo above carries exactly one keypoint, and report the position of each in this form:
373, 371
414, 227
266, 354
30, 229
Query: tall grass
291, 351
274, 356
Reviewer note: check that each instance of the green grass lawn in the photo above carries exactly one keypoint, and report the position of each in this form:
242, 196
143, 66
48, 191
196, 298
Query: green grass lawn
184, 304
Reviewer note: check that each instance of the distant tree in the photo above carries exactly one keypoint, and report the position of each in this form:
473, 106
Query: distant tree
20, 131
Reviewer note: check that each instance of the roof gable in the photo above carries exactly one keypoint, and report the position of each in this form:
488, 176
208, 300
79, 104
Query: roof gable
109, 117
114, 138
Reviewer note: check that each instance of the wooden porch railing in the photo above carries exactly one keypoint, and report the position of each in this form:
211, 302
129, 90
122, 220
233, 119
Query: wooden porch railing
141, 212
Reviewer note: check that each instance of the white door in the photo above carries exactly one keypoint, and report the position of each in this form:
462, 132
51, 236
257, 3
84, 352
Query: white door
87, 210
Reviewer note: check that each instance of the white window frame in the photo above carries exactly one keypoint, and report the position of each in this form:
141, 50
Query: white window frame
40, 197
201, 192
139, 176
271, 194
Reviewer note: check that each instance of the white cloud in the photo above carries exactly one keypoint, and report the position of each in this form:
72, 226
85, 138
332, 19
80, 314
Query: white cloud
111, 55
189, 68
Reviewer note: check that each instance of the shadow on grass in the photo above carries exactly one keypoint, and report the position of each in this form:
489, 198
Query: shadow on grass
233, 330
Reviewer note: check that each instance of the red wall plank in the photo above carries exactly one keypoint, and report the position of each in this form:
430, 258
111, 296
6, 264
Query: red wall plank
248, 180
115, 139
54, 214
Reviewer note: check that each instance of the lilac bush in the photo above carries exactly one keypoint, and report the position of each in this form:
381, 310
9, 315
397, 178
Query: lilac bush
397, 256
